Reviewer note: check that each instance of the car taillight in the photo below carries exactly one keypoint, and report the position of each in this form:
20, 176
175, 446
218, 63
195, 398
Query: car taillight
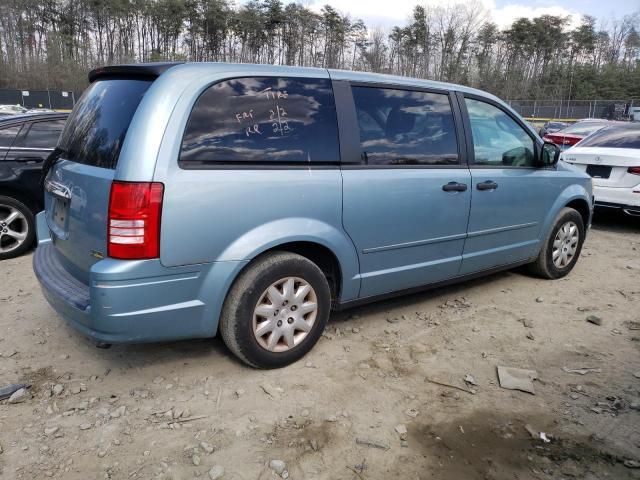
634, 170
134, 220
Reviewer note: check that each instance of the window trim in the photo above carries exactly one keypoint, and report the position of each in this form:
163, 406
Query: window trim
263, 165
350, 131
537, 144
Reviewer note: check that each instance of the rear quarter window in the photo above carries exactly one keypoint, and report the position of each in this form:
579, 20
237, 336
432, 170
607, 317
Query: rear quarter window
263, 121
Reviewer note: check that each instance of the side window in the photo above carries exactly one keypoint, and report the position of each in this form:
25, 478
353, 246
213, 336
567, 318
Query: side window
42, 134
498, 140
7, 135
263, 120
403, 127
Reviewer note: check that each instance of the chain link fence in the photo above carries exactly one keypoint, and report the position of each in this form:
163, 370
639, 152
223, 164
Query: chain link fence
53, 99
577, 109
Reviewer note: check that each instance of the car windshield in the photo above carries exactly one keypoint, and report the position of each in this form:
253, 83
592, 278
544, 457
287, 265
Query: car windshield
614, 137
583, 128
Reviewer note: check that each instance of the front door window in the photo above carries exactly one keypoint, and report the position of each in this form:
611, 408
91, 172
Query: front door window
498, 140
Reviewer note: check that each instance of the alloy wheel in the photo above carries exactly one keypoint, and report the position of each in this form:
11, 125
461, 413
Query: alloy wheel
13, 228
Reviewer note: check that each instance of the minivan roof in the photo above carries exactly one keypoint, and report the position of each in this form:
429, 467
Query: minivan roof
155, 69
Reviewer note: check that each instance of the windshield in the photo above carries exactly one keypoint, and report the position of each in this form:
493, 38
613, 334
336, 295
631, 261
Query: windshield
583, 128
98, 124
614, 137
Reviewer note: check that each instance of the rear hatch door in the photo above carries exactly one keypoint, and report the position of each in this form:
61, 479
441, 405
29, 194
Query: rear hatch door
78, 185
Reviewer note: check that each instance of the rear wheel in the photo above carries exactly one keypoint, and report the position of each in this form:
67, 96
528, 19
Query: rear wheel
562, 247
276, 310
17, 228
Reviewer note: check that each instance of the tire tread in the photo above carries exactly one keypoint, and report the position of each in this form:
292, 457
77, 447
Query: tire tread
540, 267
228, 326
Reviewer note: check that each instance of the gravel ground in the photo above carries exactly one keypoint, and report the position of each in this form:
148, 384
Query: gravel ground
375, 399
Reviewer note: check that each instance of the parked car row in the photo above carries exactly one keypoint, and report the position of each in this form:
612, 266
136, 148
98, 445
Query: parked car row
609, 151
572, 134
611, 156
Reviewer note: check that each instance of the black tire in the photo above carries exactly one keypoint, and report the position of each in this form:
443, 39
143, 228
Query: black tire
544, 266
236, 321
29, 224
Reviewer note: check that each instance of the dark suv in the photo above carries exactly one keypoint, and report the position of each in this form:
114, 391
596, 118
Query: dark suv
25, 143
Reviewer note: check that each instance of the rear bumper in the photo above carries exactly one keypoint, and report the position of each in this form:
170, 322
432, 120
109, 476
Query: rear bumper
627, 199
133, 301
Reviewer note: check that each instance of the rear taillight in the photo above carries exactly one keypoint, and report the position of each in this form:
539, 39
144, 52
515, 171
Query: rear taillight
634, 170
134, 220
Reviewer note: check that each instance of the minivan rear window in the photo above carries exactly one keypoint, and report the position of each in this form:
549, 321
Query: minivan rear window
262, 120
96, 128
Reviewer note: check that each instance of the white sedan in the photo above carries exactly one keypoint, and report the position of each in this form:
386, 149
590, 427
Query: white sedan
612, 157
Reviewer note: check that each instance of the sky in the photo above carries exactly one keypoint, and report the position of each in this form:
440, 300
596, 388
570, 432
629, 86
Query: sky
386, 13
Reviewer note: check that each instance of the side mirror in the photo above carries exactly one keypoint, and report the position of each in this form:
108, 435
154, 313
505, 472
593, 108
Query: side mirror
549, 155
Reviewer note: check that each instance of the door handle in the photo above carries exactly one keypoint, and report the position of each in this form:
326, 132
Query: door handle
487, 185
454, 187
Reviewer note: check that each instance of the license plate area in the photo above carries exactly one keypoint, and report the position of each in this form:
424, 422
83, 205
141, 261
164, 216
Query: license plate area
59, 215
599, 171
58, 218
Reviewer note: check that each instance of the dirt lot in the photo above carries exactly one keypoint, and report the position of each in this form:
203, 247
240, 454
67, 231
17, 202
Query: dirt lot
176, 410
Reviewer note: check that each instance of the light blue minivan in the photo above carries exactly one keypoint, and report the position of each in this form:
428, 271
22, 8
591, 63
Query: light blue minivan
185, 200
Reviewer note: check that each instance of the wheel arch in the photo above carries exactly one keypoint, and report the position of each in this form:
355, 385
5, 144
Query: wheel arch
319, 254
324, 244
574, 196
582, 207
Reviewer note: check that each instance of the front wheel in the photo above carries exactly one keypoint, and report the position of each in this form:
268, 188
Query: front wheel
562, 247
276, 310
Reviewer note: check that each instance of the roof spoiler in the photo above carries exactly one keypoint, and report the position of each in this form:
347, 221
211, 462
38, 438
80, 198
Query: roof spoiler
142, 71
